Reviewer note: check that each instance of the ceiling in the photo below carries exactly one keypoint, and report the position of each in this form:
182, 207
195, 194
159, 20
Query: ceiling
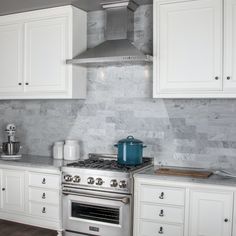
14, 6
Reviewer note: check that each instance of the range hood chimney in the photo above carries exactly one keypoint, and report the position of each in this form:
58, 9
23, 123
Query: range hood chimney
119, 34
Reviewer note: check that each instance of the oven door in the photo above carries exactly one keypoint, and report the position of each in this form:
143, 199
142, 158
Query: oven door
88, 212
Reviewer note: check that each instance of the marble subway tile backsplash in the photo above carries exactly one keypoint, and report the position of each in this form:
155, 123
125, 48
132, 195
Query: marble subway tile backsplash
196, 132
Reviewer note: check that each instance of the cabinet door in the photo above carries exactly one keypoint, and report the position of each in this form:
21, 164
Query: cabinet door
13, 190
189, 51
210, 213
11, 58
230, 46
45, 55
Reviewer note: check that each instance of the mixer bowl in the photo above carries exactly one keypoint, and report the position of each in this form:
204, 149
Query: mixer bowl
12, 148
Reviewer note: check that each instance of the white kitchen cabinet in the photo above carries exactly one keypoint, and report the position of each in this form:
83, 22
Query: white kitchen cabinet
210, 213
45, 55
230, 47
194, 49
183, 208
11, 58
31, 196
13, 187
158, 210
37, 45
44, 199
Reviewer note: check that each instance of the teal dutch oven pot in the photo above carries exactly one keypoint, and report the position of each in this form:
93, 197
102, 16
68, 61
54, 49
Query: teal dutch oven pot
130, 151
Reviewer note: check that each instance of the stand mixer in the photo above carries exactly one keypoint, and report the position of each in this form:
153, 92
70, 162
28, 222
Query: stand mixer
11, 148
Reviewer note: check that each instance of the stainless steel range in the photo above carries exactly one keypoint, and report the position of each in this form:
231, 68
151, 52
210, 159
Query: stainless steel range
98, 196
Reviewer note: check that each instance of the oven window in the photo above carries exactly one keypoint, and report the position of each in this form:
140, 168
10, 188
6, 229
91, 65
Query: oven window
97, 213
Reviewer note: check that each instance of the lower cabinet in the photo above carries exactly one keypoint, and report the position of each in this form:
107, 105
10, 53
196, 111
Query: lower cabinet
13, 186
171, 209
44, 197
31, 197
210, 213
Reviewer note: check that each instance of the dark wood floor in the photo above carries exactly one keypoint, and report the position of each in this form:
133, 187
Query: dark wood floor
14, 229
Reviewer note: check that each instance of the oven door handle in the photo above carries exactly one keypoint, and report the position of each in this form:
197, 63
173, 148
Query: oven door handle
124, 200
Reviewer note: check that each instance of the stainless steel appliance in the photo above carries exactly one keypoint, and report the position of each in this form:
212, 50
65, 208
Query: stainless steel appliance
98, 196
118, 47
10, 148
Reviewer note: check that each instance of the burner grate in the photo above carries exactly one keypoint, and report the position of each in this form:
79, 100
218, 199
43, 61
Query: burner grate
105, 164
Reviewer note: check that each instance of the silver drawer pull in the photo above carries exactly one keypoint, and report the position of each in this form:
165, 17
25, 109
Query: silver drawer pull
44, 196
161, 230
162, 196
44, 210
161, 213
44, 181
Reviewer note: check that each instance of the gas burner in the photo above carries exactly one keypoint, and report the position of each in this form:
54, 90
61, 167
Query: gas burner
107, 164
102, 173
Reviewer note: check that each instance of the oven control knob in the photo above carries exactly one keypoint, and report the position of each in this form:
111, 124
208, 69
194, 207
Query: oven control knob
90, 180
68, 178
99, 181
114, 183
122, 184
76, 179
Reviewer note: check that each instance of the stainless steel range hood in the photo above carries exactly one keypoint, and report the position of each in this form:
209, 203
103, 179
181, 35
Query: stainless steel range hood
118, 48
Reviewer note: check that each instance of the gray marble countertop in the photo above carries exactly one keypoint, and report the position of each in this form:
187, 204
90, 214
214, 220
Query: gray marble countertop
212, 180
32, 161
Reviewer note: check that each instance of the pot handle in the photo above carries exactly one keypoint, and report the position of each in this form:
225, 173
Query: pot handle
130, 137
144, 146
115, 145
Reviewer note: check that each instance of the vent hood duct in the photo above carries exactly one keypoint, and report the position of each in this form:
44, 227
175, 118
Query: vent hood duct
118, 48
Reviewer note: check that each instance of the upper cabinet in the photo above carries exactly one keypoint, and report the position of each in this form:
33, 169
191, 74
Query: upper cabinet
11, 58
193, 56
34, 48
229, 45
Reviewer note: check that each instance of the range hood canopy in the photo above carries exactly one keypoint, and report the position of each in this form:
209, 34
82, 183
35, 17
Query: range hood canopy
119, 34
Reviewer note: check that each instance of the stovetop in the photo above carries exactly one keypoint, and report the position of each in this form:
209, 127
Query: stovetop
108, 163
102, 173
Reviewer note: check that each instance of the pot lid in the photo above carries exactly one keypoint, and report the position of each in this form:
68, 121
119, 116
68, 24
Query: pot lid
130, 139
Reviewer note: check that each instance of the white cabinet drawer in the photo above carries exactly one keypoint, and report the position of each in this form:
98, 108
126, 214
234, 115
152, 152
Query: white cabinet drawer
44, 210
162, 213
44, 196
155, 229
162, 195
44, 180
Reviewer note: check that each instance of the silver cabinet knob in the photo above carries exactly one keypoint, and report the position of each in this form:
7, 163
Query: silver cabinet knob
114, 183
90, 180
162, 195
161, 213
76, 179
122, 184
99, 181
161, 230
44, 181
68, 178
